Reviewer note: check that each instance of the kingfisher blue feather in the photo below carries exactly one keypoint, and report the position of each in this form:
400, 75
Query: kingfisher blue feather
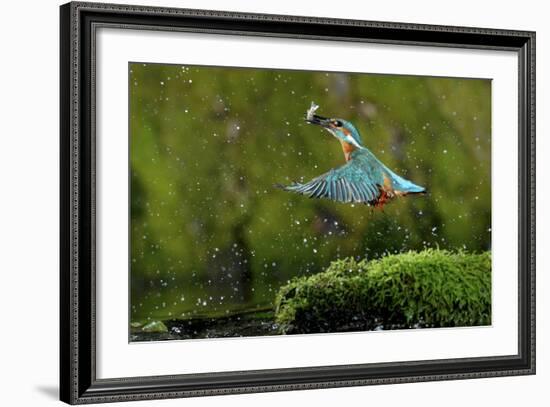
363, 179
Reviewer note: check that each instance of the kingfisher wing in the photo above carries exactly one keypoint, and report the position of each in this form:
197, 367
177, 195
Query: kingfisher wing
356, 181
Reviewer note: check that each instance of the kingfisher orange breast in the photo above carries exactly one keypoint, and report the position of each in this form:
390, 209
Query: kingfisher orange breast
347, 148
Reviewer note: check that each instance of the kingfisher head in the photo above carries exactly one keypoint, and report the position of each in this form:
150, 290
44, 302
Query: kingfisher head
339, 128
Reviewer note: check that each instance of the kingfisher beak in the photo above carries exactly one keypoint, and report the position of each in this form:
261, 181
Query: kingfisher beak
318, 120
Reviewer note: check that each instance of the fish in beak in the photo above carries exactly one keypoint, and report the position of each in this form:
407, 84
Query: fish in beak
333, 126
312, 118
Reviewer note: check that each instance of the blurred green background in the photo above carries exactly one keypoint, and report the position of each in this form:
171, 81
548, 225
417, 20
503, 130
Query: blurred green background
210, 234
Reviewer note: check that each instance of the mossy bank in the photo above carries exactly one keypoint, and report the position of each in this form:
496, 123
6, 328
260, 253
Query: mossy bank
432, 288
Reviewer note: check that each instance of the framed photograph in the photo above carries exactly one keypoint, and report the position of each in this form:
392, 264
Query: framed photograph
255, 203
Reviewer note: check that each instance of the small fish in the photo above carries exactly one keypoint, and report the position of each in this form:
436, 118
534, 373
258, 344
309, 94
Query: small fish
311, 111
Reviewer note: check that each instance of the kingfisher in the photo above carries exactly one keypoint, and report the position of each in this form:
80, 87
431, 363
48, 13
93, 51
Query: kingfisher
362, 179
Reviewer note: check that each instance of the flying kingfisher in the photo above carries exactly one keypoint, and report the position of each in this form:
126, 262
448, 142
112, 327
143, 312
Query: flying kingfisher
363, 179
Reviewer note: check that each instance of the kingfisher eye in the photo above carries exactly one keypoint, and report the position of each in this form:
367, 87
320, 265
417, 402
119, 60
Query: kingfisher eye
337, 123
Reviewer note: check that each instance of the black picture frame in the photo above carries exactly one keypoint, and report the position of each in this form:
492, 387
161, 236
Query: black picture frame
78, 382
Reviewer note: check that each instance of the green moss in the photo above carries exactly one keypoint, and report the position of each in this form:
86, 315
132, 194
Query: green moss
432, 288
155, 326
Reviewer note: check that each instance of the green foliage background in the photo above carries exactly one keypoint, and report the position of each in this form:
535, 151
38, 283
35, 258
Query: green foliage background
208, 231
